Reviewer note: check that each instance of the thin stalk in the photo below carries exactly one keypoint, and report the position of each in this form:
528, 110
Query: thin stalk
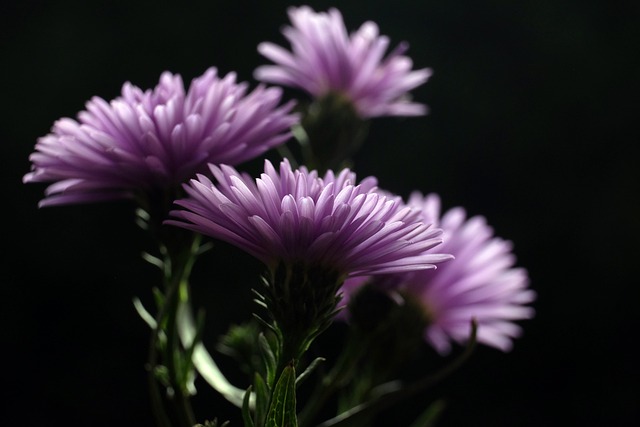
157, 404
178, 263
364, 411
330, 384
172, 357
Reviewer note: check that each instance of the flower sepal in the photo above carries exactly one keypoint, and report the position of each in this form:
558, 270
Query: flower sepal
334, 132
301, 302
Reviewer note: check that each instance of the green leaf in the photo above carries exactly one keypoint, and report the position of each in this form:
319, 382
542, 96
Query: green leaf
392, 395
282, 412
144, 314
263, 396
162, 375
188, 373
205, 247
213, 423
430, 416
142, 218
153, 260
202, 360
158, 296
269, 359
309, 370
246, 411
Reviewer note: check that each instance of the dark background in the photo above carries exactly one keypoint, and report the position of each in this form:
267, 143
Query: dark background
533, 124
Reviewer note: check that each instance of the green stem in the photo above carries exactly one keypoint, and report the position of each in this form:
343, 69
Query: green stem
362, 413
157, 403
301, 301
333, 381
173, 355
178, 263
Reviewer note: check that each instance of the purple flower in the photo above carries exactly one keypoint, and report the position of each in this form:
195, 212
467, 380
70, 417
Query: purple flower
157, 138
481, 282
295, 216
325, 59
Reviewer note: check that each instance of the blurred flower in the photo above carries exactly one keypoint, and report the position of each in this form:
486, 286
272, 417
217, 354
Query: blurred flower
481, 282
297, 217
326, 61
158, 138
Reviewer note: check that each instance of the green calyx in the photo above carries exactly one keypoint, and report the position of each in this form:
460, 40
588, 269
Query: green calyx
334, 131
301, 302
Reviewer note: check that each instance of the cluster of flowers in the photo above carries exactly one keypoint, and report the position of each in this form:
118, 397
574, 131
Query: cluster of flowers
186, 142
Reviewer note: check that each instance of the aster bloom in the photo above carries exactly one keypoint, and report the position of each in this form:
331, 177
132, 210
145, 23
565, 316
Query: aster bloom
326, 60
311, 232
157, 138
295, 216
481, 282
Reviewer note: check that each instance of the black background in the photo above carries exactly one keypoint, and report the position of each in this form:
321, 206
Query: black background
533, 124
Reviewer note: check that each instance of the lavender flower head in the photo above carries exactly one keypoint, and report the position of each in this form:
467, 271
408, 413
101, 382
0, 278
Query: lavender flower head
157, 138
481, 282
326, 60
295, 216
